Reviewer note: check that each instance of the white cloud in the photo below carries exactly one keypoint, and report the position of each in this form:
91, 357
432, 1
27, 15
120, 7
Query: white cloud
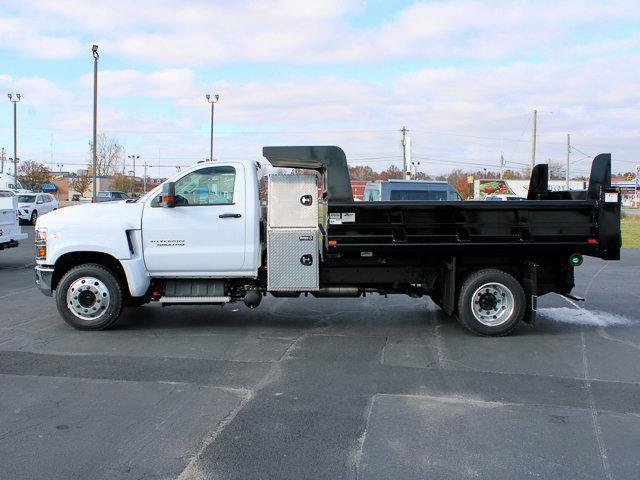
577, 58
19, 34
171, 82
205, 33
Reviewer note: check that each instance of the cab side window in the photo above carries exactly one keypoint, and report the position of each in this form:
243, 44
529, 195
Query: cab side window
207, 186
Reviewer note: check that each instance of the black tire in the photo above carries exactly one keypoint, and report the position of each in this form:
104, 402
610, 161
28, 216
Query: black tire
34, 217
506, 299
108, 283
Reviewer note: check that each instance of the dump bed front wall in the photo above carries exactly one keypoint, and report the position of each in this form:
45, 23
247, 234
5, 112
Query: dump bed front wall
526, 226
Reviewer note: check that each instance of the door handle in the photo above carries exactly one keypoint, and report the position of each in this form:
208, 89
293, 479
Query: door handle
229, 215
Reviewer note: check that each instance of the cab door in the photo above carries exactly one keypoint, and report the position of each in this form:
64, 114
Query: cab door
204, 235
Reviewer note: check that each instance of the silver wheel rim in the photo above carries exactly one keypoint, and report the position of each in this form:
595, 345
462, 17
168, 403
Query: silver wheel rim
492, 304
88, 298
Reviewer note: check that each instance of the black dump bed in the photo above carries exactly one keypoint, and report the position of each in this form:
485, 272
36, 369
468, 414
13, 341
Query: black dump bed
586, 222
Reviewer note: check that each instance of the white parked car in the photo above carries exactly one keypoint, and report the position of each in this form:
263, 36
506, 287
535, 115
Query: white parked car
32, 205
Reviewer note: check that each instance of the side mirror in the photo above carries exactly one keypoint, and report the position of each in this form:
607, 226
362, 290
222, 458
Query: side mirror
168, 199
40, 202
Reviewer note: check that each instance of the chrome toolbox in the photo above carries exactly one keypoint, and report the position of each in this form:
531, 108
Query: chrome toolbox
293, 201
292, 259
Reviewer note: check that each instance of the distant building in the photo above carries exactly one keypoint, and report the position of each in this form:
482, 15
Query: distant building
628, 191
357, 187
495, 186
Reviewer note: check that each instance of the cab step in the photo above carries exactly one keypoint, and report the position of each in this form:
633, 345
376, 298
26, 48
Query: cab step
171, 300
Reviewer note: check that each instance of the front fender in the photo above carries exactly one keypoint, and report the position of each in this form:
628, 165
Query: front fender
54, 253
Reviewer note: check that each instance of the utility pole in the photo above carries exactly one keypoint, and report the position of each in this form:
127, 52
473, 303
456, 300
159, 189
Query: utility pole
568, 154
216, 97
533, 139
406, 153
94, 49
501, 165
15, 133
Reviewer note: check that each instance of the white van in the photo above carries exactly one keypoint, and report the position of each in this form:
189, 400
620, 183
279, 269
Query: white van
8, 182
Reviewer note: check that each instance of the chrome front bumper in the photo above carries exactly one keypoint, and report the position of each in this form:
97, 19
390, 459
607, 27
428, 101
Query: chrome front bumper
44, 275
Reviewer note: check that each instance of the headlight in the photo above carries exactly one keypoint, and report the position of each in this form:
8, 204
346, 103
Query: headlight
41, 243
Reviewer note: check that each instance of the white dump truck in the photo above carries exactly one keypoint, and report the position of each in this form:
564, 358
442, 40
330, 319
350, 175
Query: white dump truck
203, 237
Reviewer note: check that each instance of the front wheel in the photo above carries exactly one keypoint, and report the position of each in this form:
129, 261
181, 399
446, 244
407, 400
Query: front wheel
89, 297
491, 303
34, 217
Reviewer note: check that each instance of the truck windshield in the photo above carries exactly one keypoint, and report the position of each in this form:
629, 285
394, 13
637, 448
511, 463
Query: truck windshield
26, 198
417, 195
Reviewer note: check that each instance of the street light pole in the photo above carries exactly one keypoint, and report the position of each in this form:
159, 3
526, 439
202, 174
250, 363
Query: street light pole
59, 165
96, 56
216, 97
133, 181
15, 133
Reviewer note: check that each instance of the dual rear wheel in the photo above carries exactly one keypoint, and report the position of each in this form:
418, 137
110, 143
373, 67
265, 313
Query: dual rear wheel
491, 303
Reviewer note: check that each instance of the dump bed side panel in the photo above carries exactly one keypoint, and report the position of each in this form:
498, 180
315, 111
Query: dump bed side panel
531, 226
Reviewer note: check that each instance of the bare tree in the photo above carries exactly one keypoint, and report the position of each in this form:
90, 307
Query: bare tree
391, 172
110, 154
557, 170
33, 174
80, 184
362, 172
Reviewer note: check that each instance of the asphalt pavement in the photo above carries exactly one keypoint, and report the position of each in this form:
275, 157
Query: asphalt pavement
368, 388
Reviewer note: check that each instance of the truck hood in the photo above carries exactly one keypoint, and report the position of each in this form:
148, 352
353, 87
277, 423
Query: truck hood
95, 217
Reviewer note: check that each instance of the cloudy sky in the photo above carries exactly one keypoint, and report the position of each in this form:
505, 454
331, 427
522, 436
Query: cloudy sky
463, 76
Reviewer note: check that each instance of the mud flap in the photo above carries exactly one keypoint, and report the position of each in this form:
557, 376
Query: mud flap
449, 291
530, 285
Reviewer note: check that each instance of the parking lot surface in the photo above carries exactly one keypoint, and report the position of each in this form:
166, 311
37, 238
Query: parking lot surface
367, 388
